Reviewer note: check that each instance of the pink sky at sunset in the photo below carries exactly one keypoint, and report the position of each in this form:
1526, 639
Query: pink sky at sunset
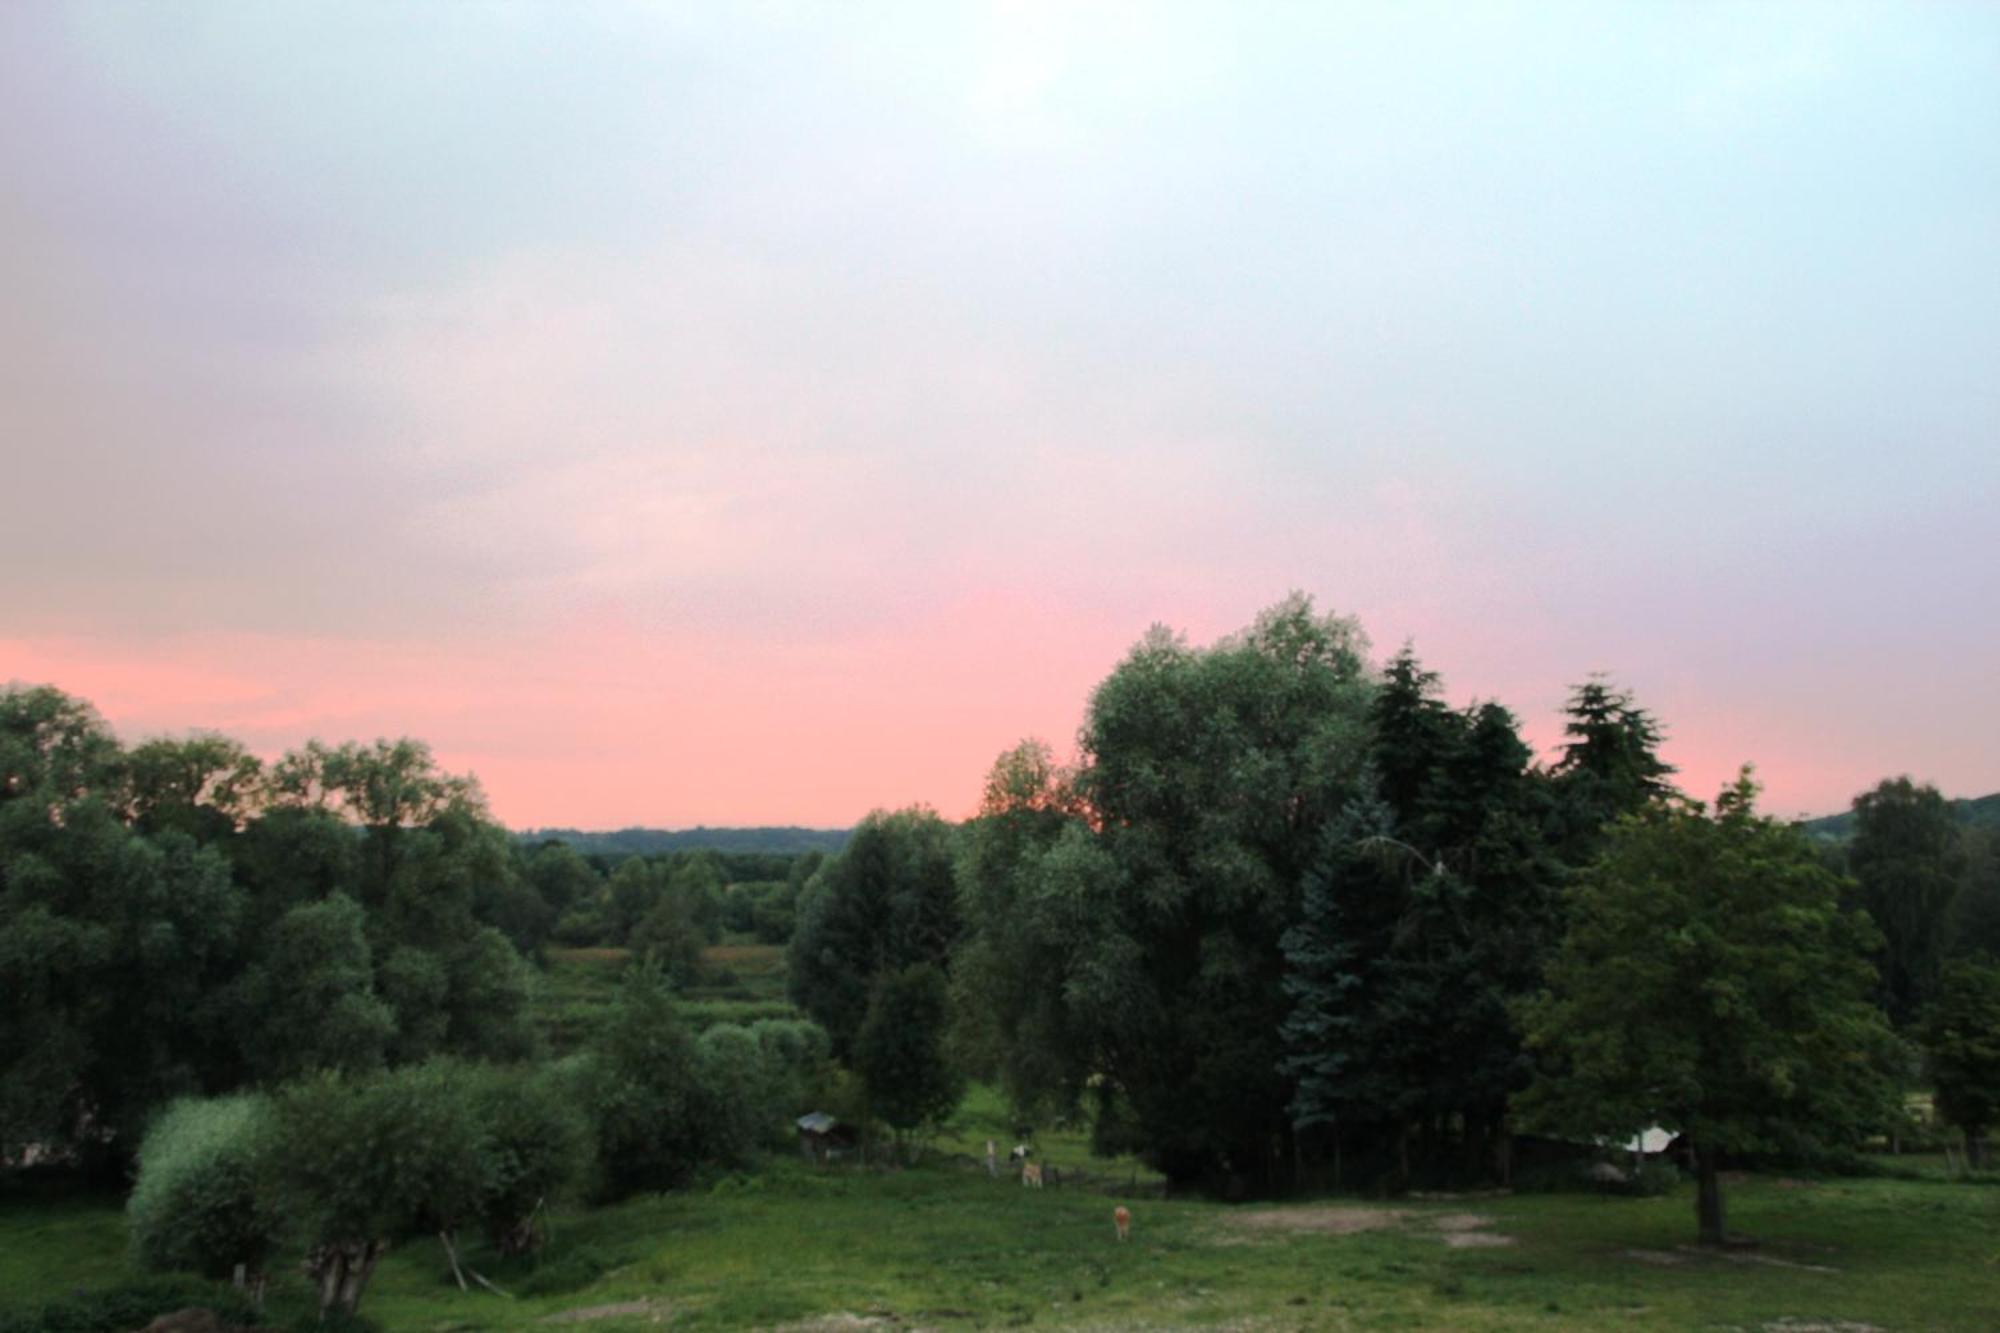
749, 416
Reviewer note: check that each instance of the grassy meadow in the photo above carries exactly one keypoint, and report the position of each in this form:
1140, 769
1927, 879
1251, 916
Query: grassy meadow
941, 1245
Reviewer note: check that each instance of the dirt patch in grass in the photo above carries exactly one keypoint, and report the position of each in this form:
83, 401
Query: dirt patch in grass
1477, 1240
1461, 1222
1328, 1221
1790, 1325
1461, 1231
589, 1313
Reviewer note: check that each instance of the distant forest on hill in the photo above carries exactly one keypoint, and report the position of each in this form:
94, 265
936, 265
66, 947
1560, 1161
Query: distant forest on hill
1971, 812
787, 840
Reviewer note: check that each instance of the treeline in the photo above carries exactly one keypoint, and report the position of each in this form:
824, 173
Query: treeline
1291, 920
667, 906
181, 918
782, 840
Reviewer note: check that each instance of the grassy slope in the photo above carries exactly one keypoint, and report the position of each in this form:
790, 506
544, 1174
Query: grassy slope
947, 1247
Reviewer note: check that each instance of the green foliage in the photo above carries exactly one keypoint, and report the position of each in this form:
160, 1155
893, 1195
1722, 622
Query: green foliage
53, 749
1210, 773
115, 948
1974, 927
1610, 765
199, 1201
1425, 917
885, 903
1906, 857
538, 1143
310, 1002
1711, 984
204, 785
670, 937
1009, 1019
640, 1082
372, 1159
1960, 1035
899, 1051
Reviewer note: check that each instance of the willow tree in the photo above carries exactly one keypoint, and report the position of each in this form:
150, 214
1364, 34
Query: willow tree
1207, 775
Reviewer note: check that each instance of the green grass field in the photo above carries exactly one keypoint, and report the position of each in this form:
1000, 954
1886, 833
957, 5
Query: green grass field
943, 1246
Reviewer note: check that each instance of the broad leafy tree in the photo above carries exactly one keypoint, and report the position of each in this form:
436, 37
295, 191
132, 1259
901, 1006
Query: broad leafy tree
1010, 1021
1711, 984
1960, 1035
1906, 858
1209, 774
362, 1163
309, 1003
900, 1050
887, 902
640, 1082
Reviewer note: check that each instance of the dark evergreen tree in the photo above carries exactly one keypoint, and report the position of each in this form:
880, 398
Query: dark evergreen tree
1610, 767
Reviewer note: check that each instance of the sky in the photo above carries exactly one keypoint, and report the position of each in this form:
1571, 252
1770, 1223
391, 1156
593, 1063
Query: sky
767, 413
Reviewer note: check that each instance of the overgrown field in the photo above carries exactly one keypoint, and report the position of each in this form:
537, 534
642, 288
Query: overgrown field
943, 1246
741, 981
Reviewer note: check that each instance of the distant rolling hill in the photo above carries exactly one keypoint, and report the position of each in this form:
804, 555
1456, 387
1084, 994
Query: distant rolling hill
1972, 812
787, 840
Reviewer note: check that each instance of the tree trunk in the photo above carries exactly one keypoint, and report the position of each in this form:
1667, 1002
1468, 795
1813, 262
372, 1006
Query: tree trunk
341, 1272
1975, 1149
1708, 1196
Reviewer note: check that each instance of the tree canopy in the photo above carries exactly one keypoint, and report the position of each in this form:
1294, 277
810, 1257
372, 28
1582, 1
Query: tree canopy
1711, 984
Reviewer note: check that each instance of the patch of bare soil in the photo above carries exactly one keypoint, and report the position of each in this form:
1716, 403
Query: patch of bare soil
1461, 1231
1476, 1240
1461, 1222
589, 1313
1468, 1231
1791, 1325
1663, 1258
1330, 1221
837, 1322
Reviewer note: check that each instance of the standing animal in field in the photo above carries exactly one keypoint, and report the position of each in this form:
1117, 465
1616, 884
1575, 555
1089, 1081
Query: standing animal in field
1031, 1174
1121, 1217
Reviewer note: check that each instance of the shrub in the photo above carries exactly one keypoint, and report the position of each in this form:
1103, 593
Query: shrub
197, 1203
640, 1084
538, 1143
